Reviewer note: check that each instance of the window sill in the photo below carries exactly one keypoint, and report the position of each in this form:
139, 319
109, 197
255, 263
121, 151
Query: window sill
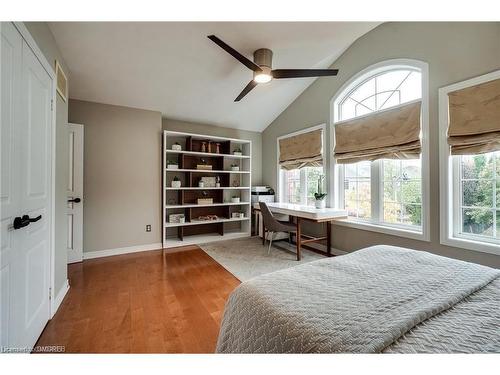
469, 244
386, 229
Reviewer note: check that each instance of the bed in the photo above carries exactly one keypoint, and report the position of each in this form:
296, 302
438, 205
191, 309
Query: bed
381, 299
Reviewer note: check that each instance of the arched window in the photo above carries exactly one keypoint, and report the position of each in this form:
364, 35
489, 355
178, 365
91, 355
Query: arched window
387, 192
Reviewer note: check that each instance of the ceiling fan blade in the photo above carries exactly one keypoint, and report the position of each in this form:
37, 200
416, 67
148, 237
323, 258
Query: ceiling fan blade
238, 56
246, 90
303, 73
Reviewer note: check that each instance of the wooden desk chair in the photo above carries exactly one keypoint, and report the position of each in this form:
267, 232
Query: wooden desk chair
272, 225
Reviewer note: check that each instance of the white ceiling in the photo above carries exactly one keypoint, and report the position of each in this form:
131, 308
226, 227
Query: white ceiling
172, 67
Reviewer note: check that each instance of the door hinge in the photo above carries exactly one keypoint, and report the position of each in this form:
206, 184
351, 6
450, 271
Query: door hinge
51, 104
50, 293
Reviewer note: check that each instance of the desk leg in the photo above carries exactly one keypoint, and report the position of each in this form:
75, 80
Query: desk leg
298, 238
328, 239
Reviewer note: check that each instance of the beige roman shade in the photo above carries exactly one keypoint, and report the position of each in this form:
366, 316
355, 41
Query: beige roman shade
474, 125
302, 150
389, 134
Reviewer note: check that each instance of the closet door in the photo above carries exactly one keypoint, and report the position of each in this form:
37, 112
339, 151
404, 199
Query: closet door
27, 194
10, 196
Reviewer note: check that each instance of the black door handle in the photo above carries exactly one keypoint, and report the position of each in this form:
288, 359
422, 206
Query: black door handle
74, 200
21, 222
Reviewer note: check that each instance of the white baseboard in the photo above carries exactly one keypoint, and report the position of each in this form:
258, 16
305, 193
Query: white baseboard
121, 250
59, 298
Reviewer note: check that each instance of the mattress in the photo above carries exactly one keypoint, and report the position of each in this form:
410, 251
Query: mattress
381, 299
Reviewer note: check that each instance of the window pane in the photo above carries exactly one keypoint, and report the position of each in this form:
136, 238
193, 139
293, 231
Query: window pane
364, 209
411, 168
351, 207
477, 221
350, 170
412, 214
392, 191
411, 191
392, 169
292, 185
312, 176
364, 169
364, 91
477, 193
364, 190
411, 89
477, 166
392, 212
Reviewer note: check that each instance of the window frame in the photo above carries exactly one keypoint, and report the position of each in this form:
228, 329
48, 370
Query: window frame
449, 187
336, 177
279, 176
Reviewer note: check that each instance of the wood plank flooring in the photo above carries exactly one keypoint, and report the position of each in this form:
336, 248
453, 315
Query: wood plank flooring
149, 302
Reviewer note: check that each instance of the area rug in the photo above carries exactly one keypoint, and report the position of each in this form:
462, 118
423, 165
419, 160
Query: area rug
247, 258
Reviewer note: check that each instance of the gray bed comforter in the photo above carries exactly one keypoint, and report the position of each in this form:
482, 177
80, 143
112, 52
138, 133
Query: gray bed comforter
379, 299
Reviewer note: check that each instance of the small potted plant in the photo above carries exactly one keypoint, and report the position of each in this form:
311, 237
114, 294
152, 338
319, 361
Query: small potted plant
217, 182
172, 164
235, 167
320, 196
177, 146
237, 152
235, 199
176, 182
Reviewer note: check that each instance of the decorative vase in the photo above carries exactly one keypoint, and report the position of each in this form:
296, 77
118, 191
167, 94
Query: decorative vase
237, 153
320, 203
201, 184
217, 148
235, 169
176, 147
203, 147
172, 166
235, 200
217, 184
176, 184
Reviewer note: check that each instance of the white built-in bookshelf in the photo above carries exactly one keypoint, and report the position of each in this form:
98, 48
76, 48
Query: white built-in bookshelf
210, 211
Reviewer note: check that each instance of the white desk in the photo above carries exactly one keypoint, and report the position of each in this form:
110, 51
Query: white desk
300, 213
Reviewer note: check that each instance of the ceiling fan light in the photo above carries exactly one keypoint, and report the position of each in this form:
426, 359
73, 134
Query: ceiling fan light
262, 78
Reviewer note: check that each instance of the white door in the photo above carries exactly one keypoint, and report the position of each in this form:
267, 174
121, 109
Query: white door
26, 141
75, 193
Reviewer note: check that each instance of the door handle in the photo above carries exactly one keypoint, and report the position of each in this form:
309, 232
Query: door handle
24, 221
74, 200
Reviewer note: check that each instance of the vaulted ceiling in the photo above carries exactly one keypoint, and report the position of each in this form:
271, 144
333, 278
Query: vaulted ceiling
172, 67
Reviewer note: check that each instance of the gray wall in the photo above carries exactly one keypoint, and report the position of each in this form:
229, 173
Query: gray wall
454, 52
122, 174
47, 44
255, 137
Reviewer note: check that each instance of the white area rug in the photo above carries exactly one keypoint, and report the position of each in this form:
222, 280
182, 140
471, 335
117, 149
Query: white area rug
247, 258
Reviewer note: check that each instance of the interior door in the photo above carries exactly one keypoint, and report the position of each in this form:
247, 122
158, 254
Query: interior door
26, 191
75, 193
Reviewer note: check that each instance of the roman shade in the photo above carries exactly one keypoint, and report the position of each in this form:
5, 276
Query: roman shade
389, 134
474, 122
302, 150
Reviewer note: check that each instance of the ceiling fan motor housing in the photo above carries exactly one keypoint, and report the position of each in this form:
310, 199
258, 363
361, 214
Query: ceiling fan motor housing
263, 57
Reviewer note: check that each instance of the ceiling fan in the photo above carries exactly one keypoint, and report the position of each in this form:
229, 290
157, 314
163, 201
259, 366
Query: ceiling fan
262, 67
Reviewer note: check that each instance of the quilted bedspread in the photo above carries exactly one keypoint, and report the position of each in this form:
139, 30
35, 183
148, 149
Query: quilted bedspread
378, 299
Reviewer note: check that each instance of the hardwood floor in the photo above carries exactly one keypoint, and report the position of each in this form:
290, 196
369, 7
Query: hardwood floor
146, 302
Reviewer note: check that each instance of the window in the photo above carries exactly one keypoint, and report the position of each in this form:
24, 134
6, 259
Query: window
298, 186
469, 185
385, 195
478, 202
